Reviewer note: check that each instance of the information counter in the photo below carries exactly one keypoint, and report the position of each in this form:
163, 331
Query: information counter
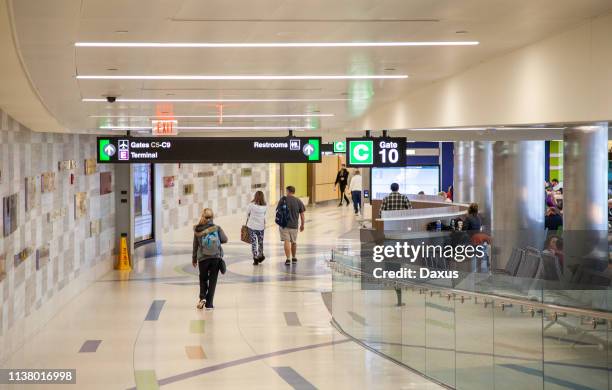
425, 209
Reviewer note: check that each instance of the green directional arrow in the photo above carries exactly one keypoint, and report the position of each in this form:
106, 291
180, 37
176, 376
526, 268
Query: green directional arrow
316, 153
102, 145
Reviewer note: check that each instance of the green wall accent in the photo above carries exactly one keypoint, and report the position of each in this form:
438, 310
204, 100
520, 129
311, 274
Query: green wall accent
297, 175
556, 160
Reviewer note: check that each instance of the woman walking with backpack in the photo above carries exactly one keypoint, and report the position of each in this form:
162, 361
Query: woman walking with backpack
208, 256
256, 223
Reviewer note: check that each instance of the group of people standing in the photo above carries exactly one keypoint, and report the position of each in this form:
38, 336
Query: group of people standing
355, 187
553, 219
207, 254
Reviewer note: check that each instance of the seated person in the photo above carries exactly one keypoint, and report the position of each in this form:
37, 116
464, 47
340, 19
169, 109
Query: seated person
472, 221
550, 199
555, 185
553, 219
554, 245
395, 200
443, 195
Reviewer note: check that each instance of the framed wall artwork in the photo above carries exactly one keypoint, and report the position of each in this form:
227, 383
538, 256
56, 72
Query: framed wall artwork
66, 165
42, 256
95, 227
224, 181
56, 214
22, 256
90, 166
168, 181
106, 183
31, 193
80, 205
47, 182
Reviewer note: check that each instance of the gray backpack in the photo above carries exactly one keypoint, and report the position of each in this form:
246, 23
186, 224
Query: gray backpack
210, 244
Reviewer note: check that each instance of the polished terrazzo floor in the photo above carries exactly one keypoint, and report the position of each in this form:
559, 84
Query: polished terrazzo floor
270, 328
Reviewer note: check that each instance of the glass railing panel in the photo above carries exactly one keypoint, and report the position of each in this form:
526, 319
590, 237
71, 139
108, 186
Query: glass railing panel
474, 343
358, 313
517, 346
371, 318
413, 328
440, 337
342, 300
575, 351
391, 318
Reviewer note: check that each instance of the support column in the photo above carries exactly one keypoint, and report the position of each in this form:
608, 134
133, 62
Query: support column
518, 197
462, 173
585, 177
473, 171
585, 195
124, 205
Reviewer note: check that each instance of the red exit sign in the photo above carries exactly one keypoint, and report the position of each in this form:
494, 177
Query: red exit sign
165, 127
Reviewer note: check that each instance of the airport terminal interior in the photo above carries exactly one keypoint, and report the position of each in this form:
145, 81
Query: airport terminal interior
282, 194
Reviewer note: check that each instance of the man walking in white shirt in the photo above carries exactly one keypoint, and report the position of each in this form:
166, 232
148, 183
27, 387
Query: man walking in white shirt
356, 187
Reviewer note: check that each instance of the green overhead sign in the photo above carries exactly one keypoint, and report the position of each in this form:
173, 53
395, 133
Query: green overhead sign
376, 152
339, 147
361, 152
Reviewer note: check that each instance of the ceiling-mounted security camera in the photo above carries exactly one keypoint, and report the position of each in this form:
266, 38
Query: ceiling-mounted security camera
111, 99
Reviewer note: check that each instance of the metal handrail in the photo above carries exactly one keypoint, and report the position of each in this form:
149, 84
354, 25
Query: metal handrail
503, 300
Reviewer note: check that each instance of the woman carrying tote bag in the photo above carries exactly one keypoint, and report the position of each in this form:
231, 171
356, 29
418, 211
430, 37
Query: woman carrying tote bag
256, 223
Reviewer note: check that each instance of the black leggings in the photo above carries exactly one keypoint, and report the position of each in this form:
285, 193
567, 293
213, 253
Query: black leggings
343, 194
209, 271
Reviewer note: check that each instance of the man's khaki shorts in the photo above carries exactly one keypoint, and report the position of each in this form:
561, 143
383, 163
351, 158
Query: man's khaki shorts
288, 234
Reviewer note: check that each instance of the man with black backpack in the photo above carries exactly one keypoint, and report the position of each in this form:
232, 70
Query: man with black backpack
290, 216
208, 256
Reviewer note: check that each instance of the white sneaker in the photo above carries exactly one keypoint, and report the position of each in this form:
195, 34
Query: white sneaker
201, 304
210, 308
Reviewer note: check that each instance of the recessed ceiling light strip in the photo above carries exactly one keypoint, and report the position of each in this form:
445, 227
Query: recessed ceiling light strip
216, 116
210, 127
239, 77
207, 45
492, 128
254, 100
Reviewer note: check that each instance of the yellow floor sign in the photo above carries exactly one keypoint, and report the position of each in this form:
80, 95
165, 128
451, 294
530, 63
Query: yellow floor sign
123, 263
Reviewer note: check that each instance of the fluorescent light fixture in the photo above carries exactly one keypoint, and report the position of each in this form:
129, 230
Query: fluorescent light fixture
240, 77
122, 100
483, 128
245, 128
448, 128
528, 128
205, 45
216, 116
106, 127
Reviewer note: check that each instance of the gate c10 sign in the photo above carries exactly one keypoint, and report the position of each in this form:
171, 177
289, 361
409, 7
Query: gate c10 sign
376, 152
209, 150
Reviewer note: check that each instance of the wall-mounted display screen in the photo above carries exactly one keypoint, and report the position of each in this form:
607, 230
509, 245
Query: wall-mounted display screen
209, 150
411, 180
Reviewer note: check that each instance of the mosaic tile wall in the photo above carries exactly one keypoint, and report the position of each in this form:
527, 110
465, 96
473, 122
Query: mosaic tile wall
49, 248
226, 188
